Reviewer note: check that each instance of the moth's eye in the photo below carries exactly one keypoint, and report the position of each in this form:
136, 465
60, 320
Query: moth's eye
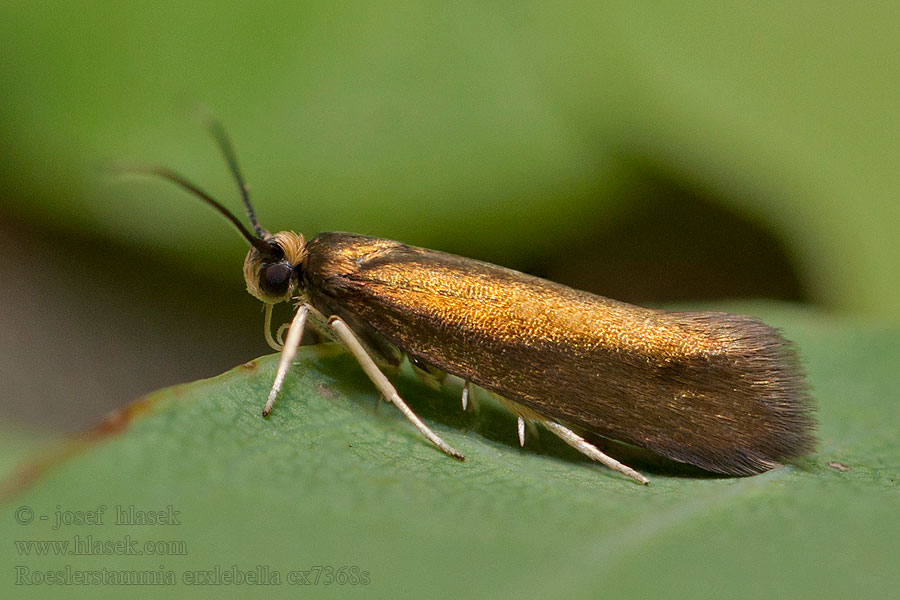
274, 279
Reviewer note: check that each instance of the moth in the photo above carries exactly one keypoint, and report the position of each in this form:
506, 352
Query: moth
723, 392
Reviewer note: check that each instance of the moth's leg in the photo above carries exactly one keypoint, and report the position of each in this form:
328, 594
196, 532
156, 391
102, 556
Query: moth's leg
384, 386
288, 353
468, 397
386, 355
591, 451
525, 417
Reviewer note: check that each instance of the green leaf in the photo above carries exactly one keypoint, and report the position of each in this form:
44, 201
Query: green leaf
329, 481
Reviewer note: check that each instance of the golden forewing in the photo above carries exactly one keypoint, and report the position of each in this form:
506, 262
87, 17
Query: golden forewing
657, 379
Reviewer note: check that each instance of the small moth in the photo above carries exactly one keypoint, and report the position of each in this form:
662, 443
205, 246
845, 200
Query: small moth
723, 392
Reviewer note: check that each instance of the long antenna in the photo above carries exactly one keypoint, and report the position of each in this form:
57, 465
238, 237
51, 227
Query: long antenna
218, 132
257, 242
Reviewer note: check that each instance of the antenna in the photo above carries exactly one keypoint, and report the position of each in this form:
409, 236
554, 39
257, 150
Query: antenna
221, 136
256, 241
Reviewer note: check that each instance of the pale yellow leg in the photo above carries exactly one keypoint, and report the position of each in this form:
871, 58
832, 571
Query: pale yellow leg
384, 386
288, 353
590, 450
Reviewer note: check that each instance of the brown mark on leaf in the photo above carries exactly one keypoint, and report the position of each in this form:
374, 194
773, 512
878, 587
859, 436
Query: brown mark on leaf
324, 390
113, 423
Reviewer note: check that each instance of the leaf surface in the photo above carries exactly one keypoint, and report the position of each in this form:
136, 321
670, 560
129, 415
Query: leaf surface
329, 481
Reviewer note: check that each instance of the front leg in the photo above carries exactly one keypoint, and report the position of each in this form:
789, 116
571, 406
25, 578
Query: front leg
288, 353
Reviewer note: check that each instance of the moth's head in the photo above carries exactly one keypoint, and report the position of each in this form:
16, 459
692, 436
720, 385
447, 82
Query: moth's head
274, 272
274, 266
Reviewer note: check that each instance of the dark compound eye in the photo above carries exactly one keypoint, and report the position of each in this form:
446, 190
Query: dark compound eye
274, 279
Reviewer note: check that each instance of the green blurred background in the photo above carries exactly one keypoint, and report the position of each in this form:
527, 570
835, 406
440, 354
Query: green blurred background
653, 153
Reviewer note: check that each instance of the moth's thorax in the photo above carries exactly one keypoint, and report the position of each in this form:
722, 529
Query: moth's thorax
277, 277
